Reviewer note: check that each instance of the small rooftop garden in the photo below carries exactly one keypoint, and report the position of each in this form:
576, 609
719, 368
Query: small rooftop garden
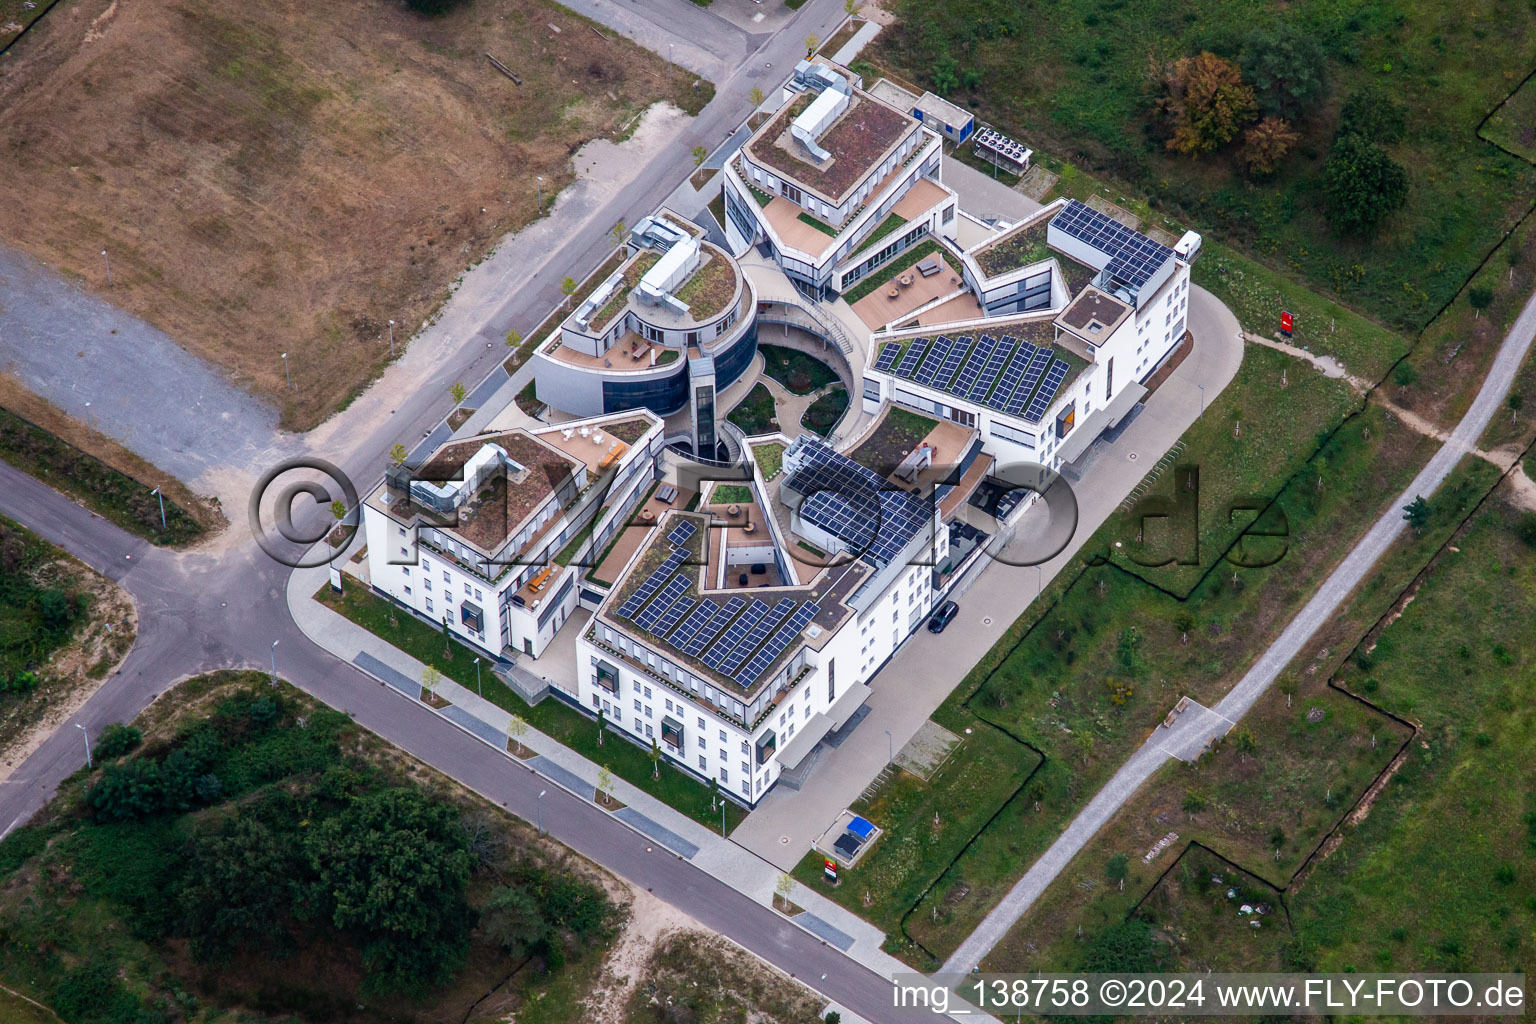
620, 297
856, 140
1019, 249
899, 432
710, 288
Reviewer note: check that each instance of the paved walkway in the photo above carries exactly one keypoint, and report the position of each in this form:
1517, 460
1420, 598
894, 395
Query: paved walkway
985, 197
1319, 610
681, 835
924, 671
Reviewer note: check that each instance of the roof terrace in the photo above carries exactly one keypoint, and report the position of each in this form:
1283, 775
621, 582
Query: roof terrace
856, 142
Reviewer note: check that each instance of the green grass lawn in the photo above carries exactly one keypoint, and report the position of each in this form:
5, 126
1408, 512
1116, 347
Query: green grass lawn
800, 372
770, 458
112, 494
1406, 892
822, 415
754, 414
1074, 85
730, 494
550, 716
981, 775
38, 614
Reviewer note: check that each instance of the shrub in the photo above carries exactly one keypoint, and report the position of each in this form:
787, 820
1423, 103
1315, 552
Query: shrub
116, 740
1206, 103
1363, 184
1373, 114
125, 791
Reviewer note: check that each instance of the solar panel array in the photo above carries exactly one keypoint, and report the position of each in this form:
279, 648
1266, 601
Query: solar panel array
1133, 257
779, 641
1008, 383
723, 636
928, 372
889, 353
647, 590
994, 365
913, 356
1048, 389
854, 503
653, 612
970, 371
1031, 379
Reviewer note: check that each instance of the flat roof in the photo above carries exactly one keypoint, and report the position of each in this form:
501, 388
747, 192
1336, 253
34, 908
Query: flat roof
860, 138
712, 286
1093, 315
938, 106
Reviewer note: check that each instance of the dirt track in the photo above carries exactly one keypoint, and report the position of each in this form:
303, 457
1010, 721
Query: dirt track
266, 182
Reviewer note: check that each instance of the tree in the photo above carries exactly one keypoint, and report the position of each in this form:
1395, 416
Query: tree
783, 887
1206, 101
1479, 299
811, 42
1288, 69
946, 77
517, 729
1265, 144
1244, 743
700, 154
392, 869
568, 288
1514, 401
1117, 868
1416, 513
1362, 184
714, 794
513, 919
618, 231
655, 759
970, 78
430, 678
605, 783
116, 740
398, 454
1373, 114
851, 7
237, 887
756, 97
338, 510
458, 391
514, 339
447, 641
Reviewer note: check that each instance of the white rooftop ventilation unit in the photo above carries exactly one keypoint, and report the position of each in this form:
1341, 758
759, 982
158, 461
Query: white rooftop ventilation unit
668, 274
835, 96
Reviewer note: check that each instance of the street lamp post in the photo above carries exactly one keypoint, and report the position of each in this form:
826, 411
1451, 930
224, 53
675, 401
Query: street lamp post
274, 661
286, 375
156, 493
890, 742
538, 809
722, 817
1202, 398
391, 339
109, 267
541, 195
477, 676
87, 736
1039, 578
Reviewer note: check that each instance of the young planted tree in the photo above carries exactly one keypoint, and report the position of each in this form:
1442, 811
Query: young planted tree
783, 887
714, 795
602, 727
655, 759
811, 42
1479, 299
1206, 103
458, 391
605, 784
568, 288
618, 231
447, 641
517, 729
1416, 513
514, 339
851, 7
430, 679
1514, 401
700, 154
756, 97
398, 454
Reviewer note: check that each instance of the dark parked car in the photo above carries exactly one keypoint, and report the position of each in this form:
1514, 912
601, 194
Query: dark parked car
944, 616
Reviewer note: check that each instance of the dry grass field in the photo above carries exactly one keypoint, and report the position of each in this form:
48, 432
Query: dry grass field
283, 177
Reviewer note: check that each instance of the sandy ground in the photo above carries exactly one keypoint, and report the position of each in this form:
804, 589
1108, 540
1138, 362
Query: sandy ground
650, 921
266, 182
107, 636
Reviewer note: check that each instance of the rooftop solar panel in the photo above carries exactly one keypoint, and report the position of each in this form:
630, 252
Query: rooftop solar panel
692, 624
776, 644
674, 615
913, 356
759, 633
928, 371
951, 364
711, 629
1031, 380
1008, 382
653, 582
1133, 257
887, 357
681, 533
736, 634
653, 612
1047, 392
988, 374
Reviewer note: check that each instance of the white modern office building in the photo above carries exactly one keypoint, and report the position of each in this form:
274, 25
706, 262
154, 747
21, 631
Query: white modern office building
1079, 311
481, 535
836, 182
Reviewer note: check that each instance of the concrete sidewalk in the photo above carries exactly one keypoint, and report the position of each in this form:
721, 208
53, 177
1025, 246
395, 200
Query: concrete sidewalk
706, 849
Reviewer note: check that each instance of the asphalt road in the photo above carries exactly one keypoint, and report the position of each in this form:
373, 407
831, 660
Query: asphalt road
1329, 597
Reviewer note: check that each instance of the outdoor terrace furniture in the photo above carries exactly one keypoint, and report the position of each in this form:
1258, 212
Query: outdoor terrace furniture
929, 266
666, 493
906, 279
893, 293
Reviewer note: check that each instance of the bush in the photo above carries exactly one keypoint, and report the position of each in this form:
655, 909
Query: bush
433, 8
1363, 184
116, 740
126, 791
1373, 114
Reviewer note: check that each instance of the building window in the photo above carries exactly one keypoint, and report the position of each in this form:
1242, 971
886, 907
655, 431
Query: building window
637, 703
703, 765
407, 591
702, 746
429, 604
649, 732
427, 585
725, 776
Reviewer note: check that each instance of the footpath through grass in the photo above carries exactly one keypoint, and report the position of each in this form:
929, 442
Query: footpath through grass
112, 494
551, 716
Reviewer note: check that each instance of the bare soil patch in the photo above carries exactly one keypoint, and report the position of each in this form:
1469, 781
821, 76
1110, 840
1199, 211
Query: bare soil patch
282, 177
